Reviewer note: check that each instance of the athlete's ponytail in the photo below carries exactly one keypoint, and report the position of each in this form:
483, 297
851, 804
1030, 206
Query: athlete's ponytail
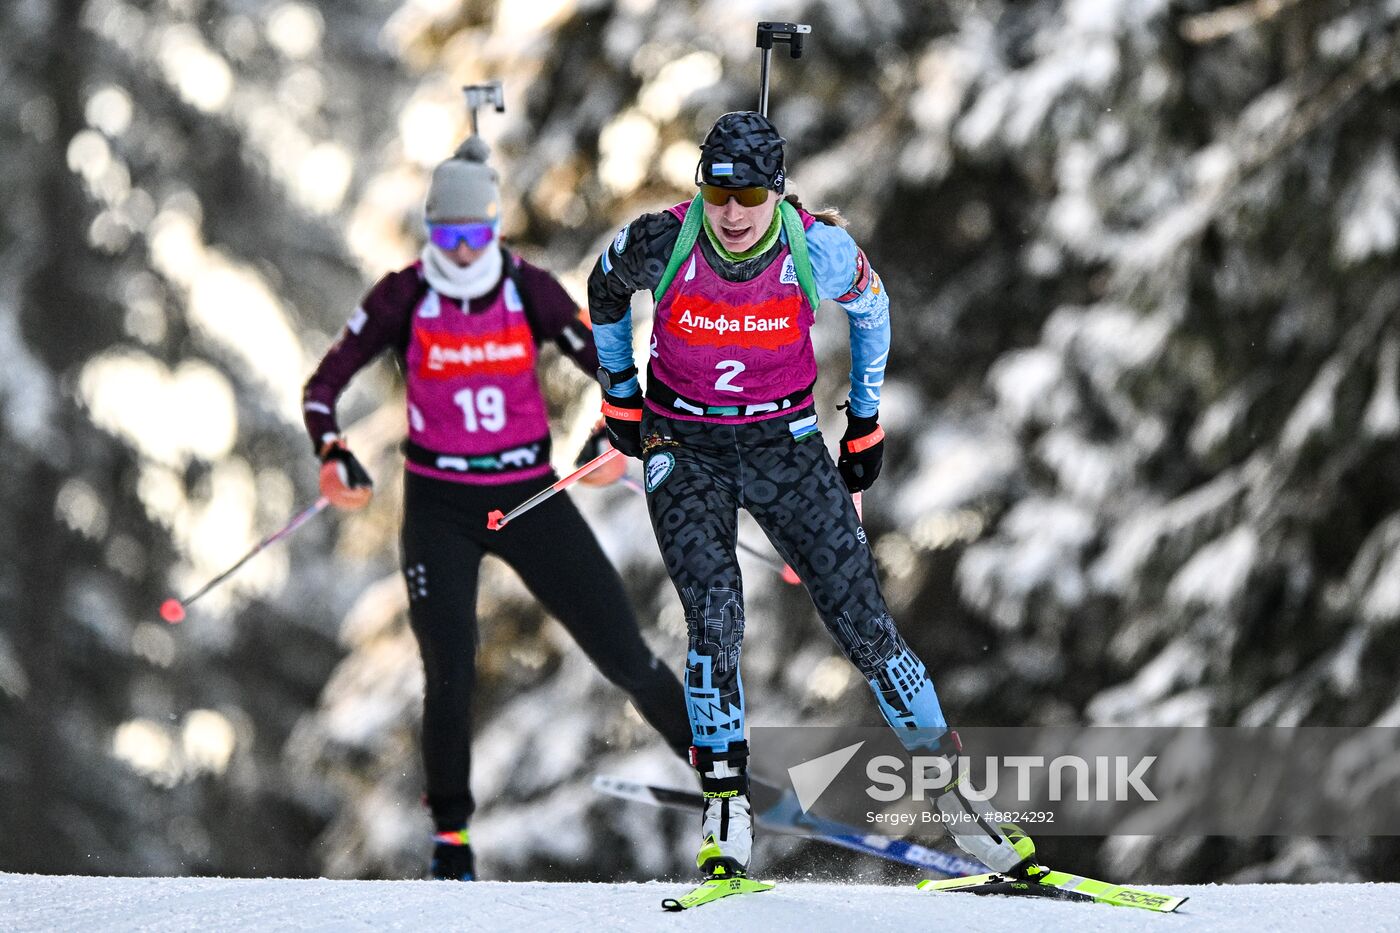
831, 216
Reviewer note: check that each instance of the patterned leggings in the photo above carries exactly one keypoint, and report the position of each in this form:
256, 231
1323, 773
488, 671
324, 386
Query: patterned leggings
697, 476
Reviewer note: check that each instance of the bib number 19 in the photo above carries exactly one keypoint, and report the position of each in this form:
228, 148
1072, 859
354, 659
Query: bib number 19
485, 409
725, 383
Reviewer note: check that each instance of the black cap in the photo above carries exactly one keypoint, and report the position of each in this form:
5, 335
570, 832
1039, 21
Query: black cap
742, 150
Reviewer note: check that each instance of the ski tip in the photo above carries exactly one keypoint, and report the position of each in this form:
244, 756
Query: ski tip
495, 520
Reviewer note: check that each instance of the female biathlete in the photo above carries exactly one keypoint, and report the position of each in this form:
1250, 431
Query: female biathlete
465, 321
728, 421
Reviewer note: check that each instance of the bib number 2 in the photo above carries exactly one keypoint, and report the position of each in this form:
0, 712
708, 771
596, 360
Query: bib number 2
485, 409
725, 383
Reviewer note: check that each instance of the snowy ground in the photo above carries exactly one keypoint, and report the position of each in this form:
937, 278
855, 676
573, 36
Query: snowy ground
30, 902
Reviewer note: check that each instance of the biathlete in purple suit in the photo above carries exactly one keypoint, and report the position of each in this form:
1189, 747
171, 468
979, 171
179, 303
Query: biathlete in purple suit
728, 421
465, 321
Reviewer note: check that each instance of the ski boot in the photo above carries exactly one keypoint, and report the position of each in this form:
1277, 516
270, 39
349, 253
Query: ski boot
1002, 847
452, 856
726, 826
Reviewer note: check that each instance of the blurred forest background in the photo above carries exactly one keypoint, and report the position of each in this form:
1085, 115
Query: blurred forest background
1143, 403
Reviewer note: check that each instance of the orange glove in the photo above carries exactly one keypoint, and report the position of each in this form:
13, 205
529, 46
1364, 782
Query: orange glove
343, 480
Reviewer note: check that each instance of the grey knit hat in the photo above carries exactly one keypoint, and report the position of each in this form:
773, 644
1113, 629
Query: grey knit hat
464, 187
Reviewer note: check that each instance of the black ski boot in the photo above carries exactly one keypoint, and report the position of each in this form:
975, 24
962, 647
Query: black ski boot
452, 857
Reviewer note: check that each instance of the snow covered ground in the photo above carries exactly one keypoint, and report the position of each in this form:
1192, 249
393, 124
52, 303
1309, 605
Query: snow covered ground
31, 902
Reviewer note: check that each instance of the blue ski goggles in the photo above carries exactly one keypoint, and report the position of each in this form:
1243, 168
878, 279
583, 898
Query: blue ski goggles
477, 235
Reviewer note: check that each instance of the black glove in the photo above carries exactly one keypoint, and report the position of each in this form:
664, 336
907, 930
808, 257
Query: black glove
595, 446
356, 476
624, 420
862, 451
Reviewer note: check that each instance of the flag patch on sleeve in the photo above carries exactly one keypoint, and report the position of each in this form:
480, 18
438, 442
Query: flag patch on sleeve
861, 280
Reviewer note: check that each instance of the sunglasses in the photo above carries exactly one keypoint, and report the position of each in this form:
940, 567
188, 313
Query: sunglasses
747, 197
476, 235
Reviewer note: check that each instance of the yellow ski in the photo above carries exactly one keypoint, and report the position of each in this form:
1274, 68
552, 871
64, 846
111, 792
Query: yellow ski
1042, 882
714, 889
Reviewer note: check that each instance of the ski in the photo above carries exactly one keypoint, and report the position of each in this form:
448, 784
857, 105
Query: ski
1060, 885
781, 813
714, 889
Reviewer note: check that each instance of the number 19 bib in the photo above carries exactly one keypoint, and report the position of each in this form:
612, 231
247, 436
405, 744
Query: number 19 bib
471, 377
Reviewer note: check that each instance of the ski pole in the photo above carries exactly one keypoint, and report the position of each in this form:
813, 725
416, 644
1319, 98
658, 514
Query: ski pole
173, 610
495, 521
481, 95
768, 34
753, 552
778, 567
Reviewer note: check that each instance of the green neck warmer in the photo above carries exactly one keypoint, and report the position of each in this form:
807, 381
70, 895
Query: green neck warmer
764, 243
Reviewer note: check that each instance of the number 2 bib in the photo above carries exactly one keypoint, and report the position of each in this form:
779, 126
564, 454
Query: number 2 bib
732, 349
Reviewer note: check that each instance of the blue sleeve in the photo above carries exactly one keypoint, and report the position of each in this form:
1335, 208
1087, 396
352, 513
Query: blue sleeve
844, 275
631, 263
614, 343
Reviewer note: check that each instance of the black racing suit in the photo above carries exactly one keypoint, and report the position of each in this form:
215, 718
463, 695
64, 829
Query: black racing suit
559, 560
444, 537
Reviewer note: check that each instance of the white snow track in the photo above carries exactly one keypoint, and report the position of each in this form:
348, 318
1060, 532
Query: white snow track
33, 902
